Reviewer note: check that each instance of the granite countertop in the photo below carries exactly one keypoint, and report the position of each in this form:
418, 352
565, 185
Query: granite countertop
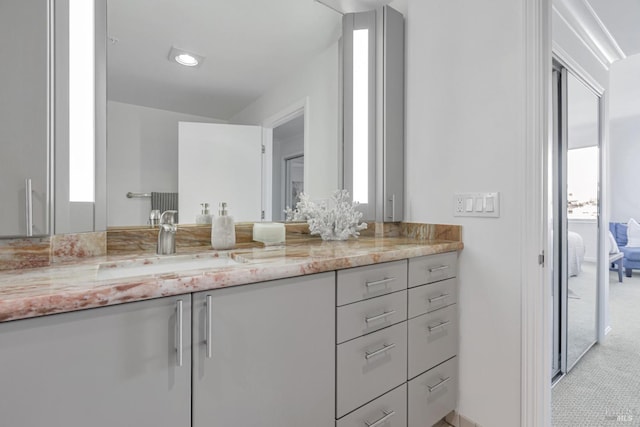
75, 286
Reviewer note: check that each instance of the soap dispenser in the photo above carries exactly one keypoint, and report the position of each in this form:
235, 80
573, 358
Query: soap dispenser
223, 231
205, 217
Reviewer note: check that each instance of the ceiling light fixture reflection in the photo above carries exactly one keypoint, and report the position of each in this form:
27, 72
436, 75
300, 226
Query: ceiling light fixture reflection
183, 57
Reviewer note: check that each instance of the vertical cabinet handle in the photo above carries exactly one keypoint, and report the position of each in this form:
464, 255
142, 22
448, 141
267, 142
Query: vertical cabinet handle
386, 416
208, 326
179, 312
392, 217
28, 206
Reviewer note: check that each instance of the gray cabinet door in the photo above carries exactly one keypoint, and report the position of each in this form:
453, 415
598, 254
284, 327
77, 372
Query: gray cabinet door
272, 358
23, 117
106, 367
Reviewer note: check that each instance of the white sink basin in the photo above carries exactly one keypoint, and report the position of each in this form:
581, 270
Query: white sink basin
162, 265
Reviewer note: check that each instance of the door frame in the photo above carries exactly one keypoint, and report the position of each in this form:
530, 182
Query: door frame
536, 274
536, 225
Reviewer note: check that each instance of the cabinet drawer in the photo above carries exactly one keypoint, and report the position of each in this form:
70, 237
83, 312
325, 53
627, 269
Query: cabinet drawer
432, 395
433, 338
369, 366
428, 298
432, 268
389, 410
356, 284
368, 316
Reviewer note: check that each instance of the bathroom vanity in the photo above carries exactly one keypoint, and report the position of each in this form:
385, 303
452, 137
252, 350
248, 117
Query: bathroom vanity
323, 334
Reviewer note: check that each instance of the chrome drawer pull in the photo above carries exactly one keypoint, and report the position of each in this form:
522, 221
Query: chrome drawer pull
441, 325
437, 386
434, 299
387, 415
434, 269
379, 316
384, 349
380, 282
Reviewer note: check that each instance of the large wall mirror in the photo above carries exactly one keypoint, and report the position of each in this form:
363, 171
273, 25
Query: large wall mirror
271, 66
267, 75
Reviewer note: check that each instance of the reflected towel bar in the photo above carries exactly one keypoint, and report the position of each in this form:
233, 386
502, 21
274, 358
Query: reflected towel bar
131, 195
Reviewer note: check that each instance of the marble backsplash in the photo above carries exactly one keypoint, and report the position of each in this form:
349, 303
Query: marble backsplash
128, 240
25, 253
44, 251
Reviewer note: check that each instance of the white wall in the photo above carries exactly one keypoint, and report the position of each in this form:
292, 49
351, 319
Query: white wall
317, 80
624, 116
465, 110
142, 156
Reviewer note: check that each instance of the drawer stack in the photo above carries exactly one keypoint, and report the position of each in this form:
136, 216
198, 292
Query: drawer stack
396, 342
433, 338
371, 353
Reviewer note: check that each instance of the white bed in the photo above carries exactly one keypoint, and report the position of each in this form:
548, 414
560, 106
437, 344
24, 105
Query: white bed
575, 255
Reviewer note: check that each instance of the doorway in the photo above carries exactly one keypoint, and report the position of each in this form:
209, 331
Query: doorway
287, 165
576, 201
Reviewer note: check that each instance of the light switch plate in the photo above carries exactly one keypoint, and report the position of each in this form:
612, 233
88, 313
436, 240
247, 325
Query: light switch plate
481, 205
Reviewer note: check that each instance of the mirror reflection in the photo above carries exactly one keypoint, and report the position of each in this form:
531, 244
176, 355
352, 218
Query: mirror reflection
583, 167
197, 88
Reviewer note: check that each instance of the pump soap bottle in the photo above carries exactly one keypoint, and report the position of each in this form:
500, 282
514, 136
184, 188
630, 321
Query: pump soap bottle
223, 231
205, 217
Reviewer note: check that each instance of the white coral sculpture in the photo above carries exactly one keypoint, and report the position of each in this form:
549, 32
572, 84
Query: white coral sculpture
336, 223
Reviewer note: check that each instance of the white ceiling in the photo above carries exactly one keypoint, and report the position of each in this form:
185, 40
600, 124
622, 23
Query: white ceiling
622, 19
609, 28
248, 45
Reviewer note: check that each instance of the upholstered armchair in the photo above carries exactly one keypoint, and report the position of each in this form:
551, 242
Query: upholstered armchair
631, 255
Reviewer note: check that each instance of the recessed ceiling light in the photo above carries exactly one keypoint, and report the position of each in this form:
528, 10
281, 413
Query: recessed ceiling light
183, 57
186, 59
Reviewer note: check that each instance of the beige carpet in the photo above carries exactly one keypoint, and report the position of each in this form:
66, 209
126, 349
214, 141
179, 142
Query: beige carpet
604, 387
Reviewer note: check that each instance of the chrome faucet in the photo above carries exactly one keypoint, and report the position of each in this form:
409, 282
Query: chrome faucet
167, 233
